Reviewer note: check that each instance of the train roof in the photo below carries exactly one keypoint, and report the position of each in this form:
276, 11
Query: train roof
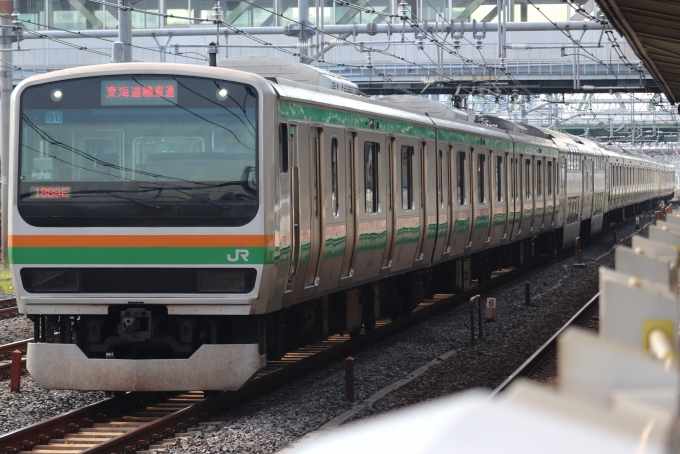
277, 68
309, 84
425, 106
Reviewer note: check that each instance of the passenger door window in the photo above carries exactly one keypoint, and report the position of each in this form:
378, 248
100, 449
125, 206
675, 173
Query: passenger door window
371, 150
527, 178
283, 147
461, 178
498, 179
407, 177
335, 202
481, 161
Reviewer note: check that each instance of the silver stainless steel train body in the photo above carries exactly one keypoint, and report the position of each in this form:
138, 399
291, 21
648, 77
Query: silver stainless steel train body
178, 224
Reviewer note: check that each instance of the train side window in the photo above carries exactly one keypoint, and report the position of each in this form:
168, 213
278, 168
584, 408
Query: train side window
407, 177
549, 179
539, 179
371, 176
515, 180
442, 158
527, 178
283, 147
499, 179
461, 178
350, 175
335, 201
315, 173
481, 161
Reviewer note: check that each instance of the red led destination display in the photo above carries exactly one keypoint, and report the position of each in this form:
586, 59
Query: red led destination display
50, 192
143, 92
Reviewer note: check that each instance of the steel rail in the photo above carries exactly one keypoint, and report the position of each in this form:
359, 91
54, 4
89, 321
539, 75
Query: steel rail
546, 349
8, 312
129, 441
141, 437
26, 438
8, 302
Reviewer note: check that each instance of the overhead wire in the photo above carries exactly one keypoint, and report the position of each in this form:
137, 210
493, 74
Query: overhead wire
608, 66
84, 35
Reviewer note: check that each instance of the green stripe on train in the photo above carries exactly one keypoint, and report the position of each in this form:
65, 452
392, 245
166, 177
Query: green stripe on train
140, 255
481, 222
352, 120
461, 225
371, 241
431, 232
335, 247
407, 235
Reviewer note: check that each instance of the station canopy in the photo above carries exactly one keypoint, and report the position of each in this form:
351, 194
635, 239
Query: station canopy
652, 29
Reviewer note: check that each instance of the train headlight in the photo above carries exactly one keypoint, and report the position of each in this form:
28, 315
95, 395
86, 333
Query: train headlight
51, 280
230, 280
222, 94
57, 95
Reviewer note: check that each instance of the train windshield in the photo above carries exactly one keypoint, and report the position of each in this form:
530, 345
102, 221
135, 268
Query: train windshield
138, 150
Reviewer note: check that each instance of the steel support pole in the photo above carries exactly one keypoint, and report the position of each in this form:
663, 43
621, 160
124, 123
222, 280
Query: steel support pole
6, 73
125, 29
303, 12
499, 16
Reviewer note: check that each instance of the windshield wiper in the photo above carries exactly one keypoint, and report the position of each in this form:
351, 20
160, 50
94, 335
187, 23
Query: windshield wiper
174, 188
111, 193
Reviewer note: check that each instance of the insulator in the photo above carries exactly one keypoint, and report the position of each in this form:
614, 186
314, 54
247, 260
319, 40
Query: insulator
518, 46
588, 87
304, 45
337, 42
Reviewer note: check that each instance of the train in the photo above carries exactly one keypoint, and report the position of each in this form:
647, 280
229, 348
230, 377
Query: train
173, 226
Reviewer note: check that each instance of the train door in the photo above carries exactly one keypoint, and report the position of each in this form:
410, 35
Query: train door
350, 160
389, 173
607, 184
539, 203
560, 199
333, 208
588, 186
286, 240
460, 237
498, 195
480, 196
428, 188
550, 192
526, 194
431, 200
372, 199
513, 196
301, 208
316, 163
442, 201
407, 204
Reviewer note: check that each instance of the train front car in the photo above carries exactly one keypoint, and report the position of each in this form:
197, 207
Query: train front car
137, 225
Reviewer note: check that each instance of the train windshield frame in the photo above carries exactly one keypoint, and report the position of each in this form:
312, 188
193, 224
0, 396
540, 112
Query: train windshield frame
138, 150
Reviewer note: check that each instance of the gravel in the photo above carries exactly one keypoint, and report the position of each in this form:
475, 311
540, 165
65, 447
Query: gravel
15, 329
287, 414
34, 404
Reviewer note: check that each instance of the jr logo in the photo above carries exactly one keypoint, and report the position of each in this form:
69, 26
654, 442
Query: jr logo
239, 254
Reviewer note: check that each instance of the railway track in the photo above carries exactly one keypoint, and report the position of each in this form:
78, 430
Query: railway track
129, 423
541, 366
6, 355
8, 308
